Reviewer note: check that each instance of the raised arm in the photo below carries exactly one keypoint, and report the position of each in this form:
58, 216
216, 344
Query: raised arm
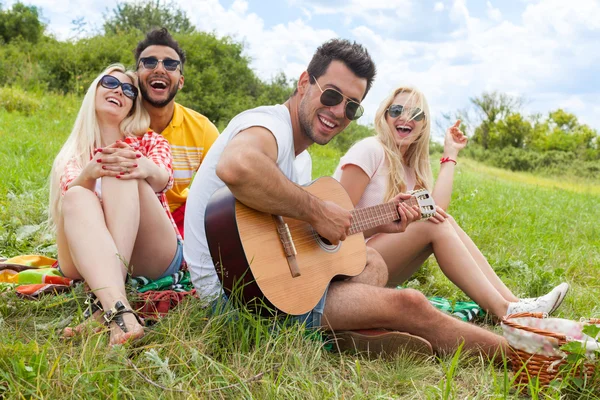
248, 167
454, 142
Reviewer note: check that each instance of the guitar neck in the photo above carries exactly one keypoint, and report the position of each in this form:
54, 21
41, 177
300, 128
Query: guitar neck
371, 217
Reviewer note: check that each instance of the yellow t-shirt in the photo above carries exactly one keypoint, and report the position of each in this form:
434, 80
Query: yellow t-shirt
190, 135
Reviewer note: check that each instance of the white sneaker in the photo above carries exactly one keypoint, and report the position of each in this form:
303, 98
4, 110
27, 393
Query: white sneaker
544, 304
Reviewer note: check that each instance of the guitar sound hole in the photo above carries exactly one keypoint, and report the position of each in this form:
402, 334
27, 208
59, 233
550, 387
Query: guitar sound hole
326, 244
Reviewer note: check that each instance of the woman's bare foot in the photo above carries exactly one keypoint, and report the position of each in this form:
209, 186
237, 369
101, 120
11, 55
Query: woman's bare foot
125, 325
92, 318
91, 325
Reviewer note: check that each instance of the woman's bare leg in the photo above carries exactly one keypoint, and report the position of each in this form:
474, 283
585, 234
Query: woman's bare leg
156, 241
483, 263
87, 250
402, 250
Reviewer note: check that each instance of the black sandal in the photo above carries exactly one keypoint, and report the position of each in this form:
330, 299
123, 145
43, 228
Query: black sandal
93, 305
115, 315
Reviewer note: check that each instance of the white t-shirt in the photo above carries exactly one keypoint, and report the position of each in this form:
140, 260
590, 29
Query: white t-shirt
303, 164
195, 248
369, 155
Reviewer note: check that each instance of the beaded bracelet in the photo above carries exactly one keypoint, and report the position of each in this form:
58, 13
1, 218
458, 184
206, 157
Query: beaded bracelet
447, 159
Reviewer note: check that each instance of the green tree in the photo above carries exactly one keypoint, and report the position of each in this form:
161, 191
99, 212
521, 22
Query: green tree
219, 81
492, 107
562, 131
144, 16
21, 22
512, 131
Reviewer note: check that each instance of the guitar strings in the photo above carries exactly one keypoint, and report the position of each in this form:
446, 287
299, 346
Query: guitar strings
304, 233
362, 219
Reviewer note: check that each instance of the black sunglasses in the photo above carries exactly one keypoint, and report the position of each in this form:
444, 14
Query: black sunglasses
331, 97
395, 110
110, 82
152, 62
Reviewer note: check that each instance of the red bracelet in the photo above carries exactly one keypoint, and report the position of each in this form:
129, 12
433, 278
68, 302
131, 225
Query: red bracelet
447, 159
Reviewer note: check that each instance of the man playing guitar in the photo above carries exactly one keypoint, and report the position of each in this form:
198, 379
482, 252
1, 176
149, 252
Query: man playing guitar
254, 157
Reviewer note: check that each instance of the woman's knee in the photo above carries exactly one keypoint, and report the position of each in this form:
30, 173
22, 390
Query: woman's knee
109, 182
443, 229
74, 198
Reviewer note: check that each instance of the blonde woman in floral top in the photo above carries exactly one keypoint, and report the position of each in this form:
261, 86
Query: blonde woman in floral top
107, 201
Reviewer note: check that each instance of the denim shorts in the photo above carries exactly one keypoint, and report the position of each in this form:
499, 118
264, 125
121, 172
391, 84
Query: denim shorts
176, 262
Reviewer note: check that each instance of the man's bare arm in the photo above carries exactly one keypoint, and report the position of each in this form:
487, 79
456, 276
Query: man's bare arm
248, 166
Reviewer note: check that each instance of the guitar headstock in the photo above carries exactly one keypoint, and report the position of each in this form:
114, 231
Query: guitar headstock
425, 202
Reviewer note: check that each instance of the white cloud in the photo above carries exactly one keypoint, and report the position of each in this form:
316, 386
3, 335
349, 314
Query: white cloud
59, 14
527, 59
493, 13
439, 6
377, 13
281, 48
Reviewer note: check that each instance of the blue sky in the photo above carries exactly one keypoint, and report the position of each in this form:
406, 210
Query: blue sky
545, 50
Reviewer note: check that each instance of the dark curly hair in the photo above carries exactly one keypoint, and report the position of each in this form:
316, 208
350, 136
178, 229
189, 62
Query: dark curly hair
159, 37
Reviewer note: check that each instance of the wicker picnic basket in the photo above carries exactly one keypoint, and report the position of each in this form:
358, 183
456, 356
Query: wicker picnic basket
535, 342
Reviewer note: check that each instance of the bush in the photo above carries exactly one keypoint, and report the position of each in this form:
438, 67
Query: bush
435, 148
551, 162
15, 99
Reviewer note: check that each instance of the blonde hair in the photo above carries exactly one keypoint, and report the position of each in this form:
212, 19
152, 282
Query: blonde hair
417, 154
85, 135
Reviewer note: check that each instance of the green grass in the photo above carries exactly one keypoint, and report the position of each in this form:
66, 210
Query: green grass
535, 231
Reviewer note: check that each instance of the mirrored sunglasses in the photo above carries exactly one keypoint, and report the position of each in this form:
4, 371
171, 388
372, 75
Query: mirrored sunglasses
152, 62
395, 110
110, 82
331, 97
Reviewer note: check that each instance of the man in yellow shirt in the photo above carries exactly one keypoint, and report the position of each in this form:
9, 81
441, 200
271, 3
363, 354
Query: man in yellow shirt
159, 64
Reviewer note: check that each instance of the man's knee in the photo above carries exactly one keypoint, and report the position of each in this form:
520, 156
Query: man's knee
411, 300
377, 266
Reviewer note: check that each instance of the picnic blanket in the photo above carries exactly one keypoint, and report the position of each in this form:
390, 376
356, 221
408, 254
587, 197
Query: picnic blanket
467, 311
34, 275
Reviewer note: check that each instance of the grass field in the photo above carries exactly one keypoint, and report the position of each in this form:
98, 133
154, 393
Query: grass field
535, 231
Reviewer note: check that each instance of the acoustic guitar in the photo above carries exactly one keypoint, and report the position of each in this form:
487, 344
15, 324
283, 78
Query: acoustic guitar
283, 262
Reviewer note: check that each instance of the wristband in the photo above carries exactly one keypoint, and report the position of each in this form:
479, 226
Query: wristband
447, 159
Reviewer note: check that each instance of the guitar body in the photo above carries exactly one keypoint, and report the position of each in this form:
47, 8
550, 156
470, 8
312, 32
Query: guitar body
249, 256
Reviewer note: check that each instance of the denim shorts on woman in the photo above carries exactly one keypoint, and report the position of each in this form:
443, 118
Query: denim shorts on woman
176, 263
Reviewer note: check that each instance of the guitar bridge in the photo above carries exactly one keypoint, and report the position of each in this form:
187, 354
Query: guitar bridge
288, 245
286, 239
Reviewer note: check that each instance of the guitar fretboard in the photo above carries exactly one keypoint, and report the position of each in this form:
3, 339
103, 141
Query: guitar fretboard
371, 217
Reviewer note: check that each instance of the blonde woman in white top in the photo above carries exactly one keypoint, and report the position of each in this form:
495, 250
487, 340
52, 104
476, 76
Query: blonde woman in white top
397, 160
